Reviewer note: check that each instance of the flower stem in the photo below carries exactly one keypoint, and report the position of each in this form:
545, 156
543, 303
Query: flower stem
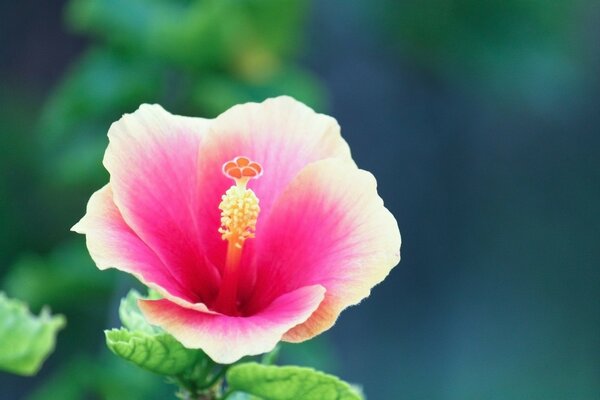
215, 378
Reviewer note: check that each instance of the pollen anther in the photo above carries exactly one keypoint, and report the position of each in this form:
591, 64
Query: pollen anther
239, 213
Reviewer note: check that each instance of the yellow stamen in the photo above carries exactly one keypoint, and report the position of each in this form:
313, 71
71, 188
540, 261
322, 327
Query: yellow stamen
239, 213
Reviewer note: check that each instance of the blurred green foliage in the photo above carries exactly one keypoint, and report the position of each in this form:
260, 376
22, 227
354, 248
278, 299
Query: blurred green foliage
106, 377
518, 50
193, 57
65, 274
25, 340
486, 116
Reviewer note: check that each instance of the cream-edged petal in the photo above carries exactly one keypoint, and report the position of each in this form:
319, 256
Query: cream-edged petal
329, 227
152, 159
227, 339
112, 244
281, 134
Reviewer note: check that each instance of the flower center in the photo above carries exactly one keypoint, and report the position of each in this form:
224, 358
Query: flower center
239, 213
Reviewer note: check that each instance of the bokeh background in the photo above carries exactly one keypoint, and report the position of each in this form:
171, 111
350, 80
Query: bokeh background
480, 120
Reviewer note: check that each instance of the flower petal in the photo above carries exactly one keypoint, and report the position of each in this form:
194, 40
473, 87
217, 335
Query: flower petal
281, 134
152, 159
112, 244
328, 227
227, 339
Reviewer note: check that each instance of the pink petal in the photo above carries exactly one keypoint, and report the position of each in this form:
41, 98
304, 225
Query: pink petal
329, 227
281, 134
152, 159
112, 244
227, 339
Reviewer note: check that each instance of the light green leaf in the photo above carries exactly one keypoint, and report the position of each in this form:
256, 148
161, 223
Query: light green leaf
25, 340
159, 353
148, 346
288, 383
130, 314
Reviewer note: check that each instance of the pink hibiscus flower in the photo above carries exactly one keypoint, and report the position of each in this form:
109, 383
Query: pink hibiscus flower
255, 226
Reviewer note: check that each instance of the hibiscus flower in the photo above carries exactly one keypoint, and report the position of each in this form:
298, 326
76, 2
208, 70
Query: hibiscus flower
255, 227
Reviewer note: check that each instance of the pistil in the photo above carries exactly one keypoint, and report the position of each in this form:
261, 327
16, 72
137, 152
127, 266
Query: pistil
239, 213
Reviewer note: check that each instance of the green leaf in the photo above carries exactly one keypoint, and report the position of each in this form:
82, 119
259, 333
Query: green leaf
25, 340
159, 353
147, 346
131, 317
288, 383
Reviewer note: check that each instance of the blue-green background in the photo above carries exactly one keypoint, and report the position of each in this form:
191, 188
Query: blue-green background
480, 120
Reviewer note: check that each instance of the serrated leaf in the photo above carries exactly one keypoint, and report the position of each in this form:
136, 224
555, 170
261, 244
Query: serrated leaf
288, 383
25, 340
130, 314
159, 353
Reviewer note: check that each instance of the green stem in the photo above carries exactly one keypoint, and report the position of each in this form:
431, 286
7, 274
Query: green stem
205, 368
271, 357
215, 378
